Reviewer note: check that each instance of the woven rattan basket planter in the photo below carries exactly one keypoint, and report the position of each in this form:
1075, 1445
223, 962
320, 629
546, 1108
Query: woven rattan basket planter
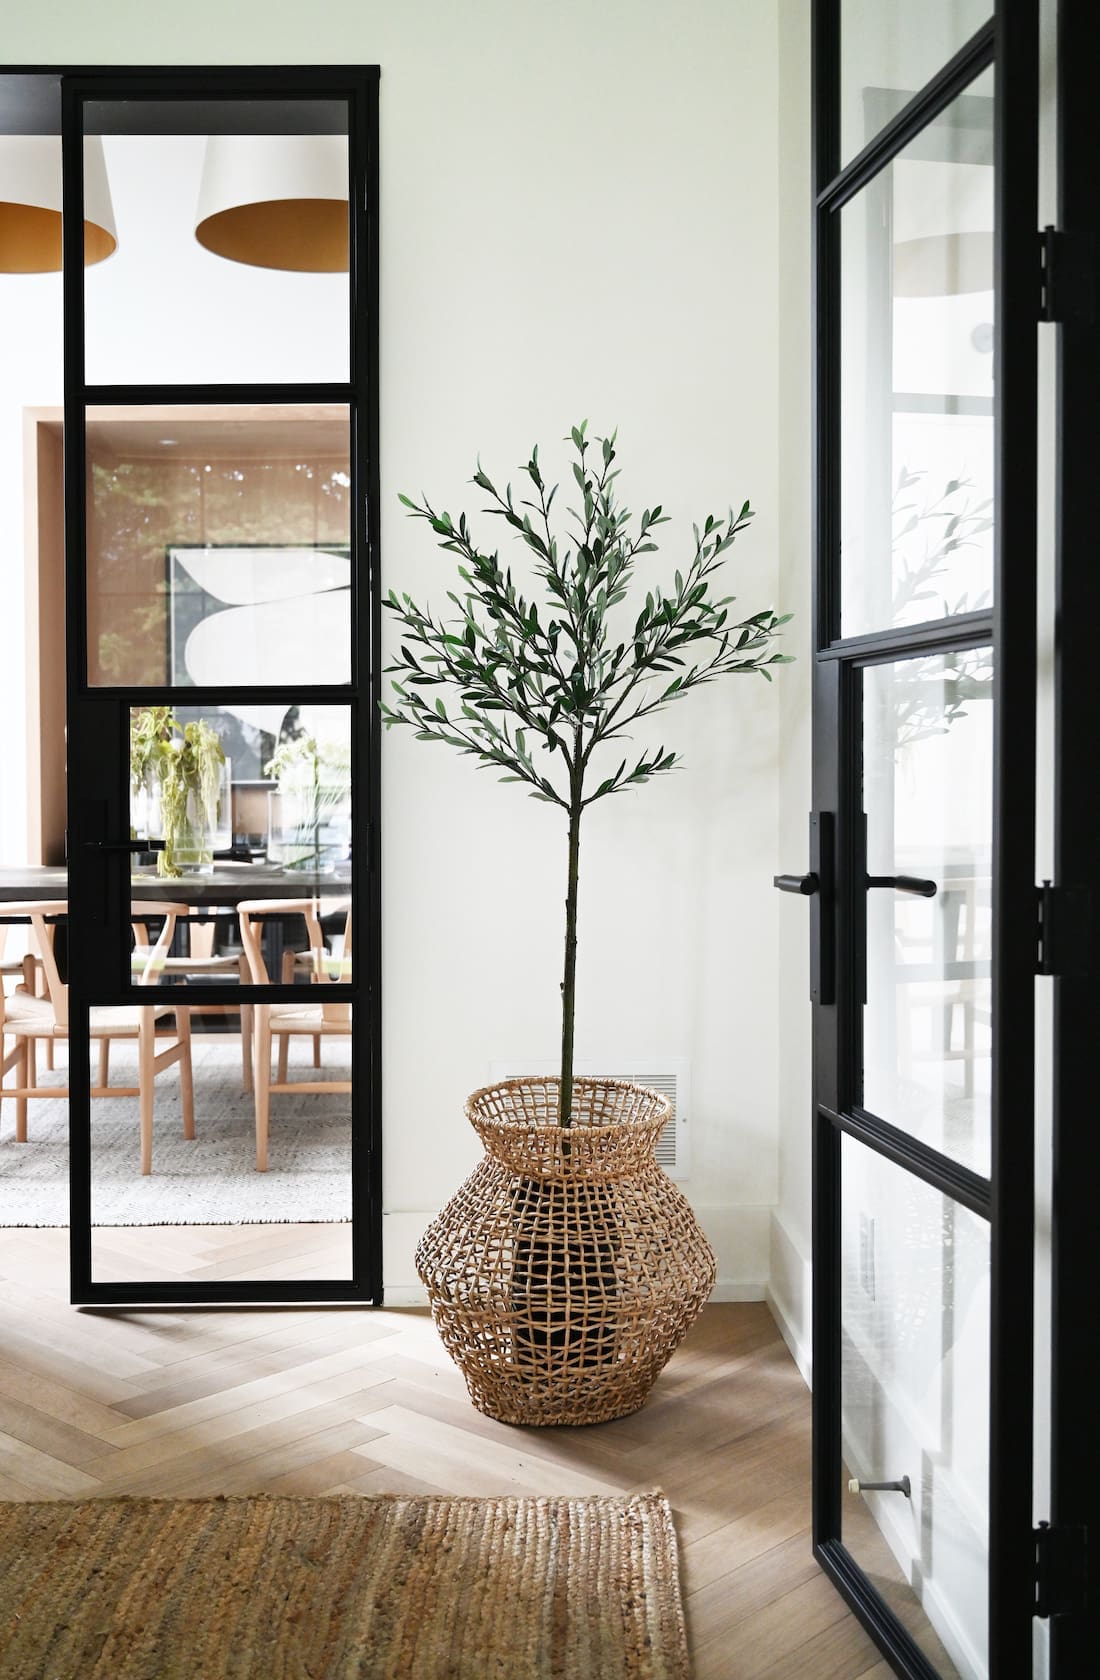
564, 1273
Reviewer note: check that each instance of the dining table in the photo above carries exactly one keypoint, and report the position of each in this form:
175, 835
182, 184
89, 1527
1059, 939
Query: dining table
212, 895
222, 889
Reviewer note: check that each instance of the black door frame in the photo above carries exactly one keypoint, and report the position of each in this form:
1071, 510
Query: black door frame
1010, 43
1075, 1333
98, 775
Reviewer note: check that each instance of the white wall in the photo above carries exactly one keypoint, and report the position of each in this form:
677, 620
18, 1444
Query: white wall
579, 218
789, 1261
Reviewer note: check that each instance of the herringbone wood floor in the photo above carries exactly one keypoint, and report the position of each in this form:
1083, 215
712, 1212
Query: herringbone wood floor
318, 1401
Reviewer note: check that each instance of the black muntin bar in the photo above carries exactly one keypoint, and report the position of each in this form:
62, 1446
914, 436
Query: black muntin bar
928, 1164
972, 58
254, 394
941, 635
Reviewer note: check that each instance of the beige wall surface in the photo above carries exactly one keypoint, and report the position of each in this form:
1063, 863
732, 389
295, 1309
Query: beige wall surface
580, 216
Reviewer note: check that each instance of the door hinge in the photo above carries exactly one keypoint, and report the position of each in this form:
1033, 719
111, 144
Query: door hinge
1067, 277
1064, 931
1061, 1569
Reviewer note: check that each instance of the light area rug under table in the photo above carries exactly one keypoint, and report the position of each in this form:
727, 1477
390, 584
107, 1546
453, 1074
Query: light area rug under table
211, 1180
327, 1589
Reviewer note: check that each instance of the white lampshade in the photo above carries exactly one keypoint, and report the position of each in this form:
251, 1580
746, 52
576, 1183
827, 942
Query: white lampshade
276, 201
30, 204
943, 228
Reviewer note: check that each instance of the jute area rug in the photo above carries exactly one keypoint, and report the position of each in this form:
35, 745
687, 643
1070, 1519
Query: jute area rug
326, 1589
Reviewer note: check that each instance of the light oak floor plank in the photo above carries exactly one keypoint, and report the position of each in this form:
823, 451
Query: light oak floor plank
309, 1401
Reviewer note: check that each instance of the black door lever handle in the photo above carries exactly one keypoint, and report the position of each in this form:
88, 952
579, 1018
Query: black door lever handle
905, 883
124, 845
804, 884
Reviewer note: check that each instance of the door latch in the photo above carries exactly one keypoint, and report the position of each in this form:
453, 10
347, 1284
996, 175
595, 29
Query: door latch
1061, 1569
1064, 932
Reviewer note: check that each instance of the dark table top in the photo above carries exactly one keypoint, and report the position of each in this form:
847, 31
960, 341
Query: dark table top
226, 887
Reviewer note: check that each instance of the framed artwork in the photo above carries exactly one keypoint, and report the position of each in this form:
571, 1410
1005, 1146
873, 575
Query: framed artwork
259, 614
256, 614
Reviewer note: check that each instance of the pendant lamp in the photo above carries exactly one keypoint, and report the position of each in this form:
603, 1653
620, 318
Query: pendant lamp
943, 228
30, 204
276, 201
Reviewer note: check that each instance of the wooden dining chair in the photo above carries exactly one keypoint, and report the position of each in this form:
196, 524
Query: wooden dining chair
21, 970
280, 1022
201, 959
27, 972
28, 1019
315, 963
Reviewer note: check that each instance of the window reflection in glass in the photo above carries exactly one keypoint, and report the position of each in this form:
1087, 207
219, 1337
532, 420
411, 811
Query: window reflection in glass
928, 792
914, 1397
232, 259
917, 328
889, 49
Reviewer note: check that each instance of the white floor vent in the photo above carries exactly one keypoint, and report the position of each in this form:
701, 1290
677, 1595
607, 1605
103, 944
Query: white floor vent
673, 1080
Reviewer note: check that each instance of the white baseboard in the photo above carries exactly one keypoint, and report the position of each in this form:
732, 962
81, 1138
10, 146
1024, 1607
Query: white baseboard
799, 1350
726, 1290
405, 1295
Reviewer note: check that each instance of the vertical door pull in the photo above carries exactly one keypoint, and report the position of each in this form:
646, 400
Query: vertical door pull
817, 884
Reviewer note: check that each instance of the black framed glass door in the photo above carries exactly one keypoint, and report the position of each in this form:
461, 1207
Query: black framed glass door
222, 614
922, 839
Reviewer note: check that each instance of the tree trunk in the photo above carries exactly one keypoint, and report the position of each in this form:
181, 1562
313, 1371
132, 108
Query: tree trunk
569, 979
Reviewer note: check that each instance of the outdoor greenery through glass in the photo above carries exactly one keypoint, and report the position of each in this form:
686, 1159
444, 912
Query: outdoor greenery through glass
578, 676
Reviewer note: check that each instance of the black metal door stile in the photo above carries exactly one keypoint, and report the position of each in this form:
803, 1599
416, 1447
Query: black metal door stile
98, 775
1075, 1342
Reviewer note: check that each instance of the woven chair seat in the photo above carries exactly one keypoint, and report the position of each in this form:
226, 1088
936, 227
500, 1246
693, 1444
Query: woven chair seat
34, 1017
305, 1018
140, 960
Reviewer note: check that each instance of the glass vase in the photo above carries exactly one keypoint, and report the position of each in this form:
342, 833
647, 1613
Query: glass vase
200, 831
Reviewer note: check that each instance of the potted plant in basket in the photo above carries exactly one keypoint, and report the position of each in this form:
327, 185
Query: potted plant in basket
566, 1270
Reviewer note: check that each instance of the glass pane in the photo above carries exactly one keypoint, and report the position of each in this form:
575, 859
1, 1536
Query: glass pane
232, 228
203, 1210
248, 804
889, 50
928, 794
917, 313
219, 546
914, 1404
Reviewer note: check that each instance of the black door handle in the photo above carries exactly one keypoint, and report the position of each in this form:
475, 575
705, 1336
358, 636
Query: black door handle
804, 884
904, 883
124, 845
817, 884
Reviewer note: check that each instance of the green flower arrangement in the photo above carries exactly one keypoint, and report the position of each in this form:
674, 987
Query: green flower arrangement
183, 762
